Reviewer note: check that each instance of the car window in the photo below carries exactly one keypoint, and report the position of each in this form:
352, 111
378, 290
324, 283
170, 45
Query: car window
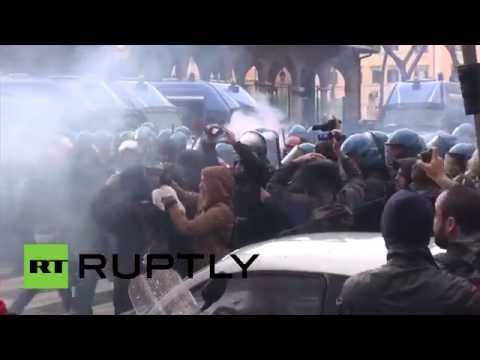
271, 294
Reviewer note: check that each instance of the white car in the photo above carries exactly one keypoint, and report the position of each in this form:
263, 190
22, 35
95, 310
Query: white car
300, 275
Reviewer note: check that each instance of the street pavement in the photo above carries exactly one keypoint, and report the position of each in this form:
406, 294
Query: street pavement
49, 302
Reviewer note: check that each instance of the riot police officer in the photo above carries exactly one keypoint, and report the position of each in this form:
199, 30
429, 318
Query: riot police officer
366, 151
465, 133
443, 143
403, 143
456, 159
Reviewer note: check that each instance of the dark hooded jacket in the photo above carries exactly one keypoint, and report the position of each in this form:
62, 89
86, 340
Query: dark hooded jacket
410, 282
256, 220
462, 258
297, 188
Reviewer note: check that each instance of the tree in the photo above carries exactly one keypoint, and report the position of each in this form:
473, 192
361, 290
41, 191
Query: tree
406, 70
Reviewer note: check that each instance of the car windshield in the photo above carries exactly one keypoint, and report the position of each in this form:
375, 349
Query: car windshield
419, 93
140, 95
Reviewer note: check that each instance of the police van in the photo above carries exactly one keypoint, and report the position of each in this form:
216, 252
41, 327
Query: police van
424, 106
205, 102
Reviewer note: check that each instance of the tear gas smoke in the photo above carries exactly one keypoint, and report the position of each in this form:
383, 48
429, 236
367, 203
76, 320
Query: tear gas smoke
266, 116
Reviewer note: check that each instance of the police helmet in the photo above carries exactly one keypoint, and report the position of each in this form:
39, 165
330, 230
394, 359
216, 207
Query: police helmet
185, 130
256, 142
465, 133
164, 134
462, 150
126, 135
180, 140
364, 148
144, 133
227, 153
150, 125
307, 148
297, 130
443, 142
410, 140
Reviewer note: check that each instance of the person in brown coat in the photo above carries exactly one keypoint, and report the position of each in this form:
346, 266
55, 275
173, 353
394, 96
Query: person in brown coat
209, 216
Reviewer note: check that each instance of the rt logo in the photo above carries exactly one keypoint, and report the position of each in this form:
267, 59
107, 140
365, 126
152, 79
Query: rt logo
45, 266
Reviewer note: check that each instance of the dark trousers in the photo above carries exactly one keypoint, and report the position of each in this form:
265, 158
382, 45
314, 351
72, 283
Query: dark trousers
27, 295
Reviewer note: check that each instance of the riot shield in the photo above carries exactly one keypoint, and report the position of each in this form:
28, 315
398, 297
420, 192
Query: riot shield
162, 294
274, 154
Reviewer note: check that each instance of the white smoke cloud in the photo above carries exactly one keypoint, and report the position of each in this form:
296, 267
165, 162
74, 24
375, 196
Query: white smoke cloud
266, 116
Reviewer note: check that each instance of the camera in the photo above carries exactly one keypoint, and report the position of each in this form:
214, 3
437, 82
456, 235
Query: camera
330, 135
426, 156
330, 125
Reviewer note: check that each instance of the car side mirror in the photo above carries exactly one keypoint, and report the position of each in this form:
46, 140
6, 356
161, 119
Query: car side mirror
213, 291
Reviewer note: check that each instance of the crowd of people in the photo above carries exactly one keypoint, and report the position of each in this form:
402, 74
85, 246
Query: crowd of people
164, 190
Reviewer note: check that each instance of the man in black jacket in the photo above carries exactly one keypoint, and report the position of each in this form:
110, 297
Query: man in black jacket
410, 282
457, 229
256, 218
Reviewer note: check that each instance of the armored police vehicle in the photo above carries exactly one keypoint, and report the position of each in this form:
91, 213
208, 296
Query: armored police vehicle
424, 106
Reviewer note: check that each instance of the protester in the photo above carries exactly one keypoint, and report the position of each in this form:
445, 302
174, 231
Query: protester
457, 229
211, 228
46, 209
314, 194
410, 282
435, 170
119, 209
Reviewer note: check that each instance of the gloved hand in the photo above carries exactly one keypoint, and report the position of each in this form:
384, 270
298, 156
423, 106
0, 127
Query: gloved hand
160, 195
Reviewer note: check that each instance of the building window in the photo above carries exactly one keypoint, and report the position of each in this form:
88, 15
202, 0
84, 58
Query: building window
376, 75
422, 71
392, 75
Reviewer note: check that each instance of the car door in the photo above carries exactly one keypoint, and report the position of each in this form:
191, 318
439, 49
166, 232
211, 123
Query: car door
272, 293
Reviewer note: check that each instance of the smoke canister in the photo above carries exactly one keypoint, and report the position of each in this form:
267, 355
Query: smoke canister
298, 151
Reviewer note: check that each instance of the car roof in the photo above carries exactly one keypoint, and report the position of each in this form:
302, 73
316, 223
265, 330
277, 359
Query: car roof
346, 254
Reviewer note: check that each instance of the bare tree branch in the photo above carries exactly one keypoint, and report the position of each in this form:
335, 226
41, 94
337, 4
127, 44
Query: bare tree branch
409, 54
398, 62
382, 84
415, 61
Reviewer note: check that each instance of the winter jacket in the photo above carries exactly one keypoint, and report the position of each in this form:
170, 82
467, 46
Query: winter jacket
305, 212
254, 175
462, 258
327, 218
212, 223
410, 283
